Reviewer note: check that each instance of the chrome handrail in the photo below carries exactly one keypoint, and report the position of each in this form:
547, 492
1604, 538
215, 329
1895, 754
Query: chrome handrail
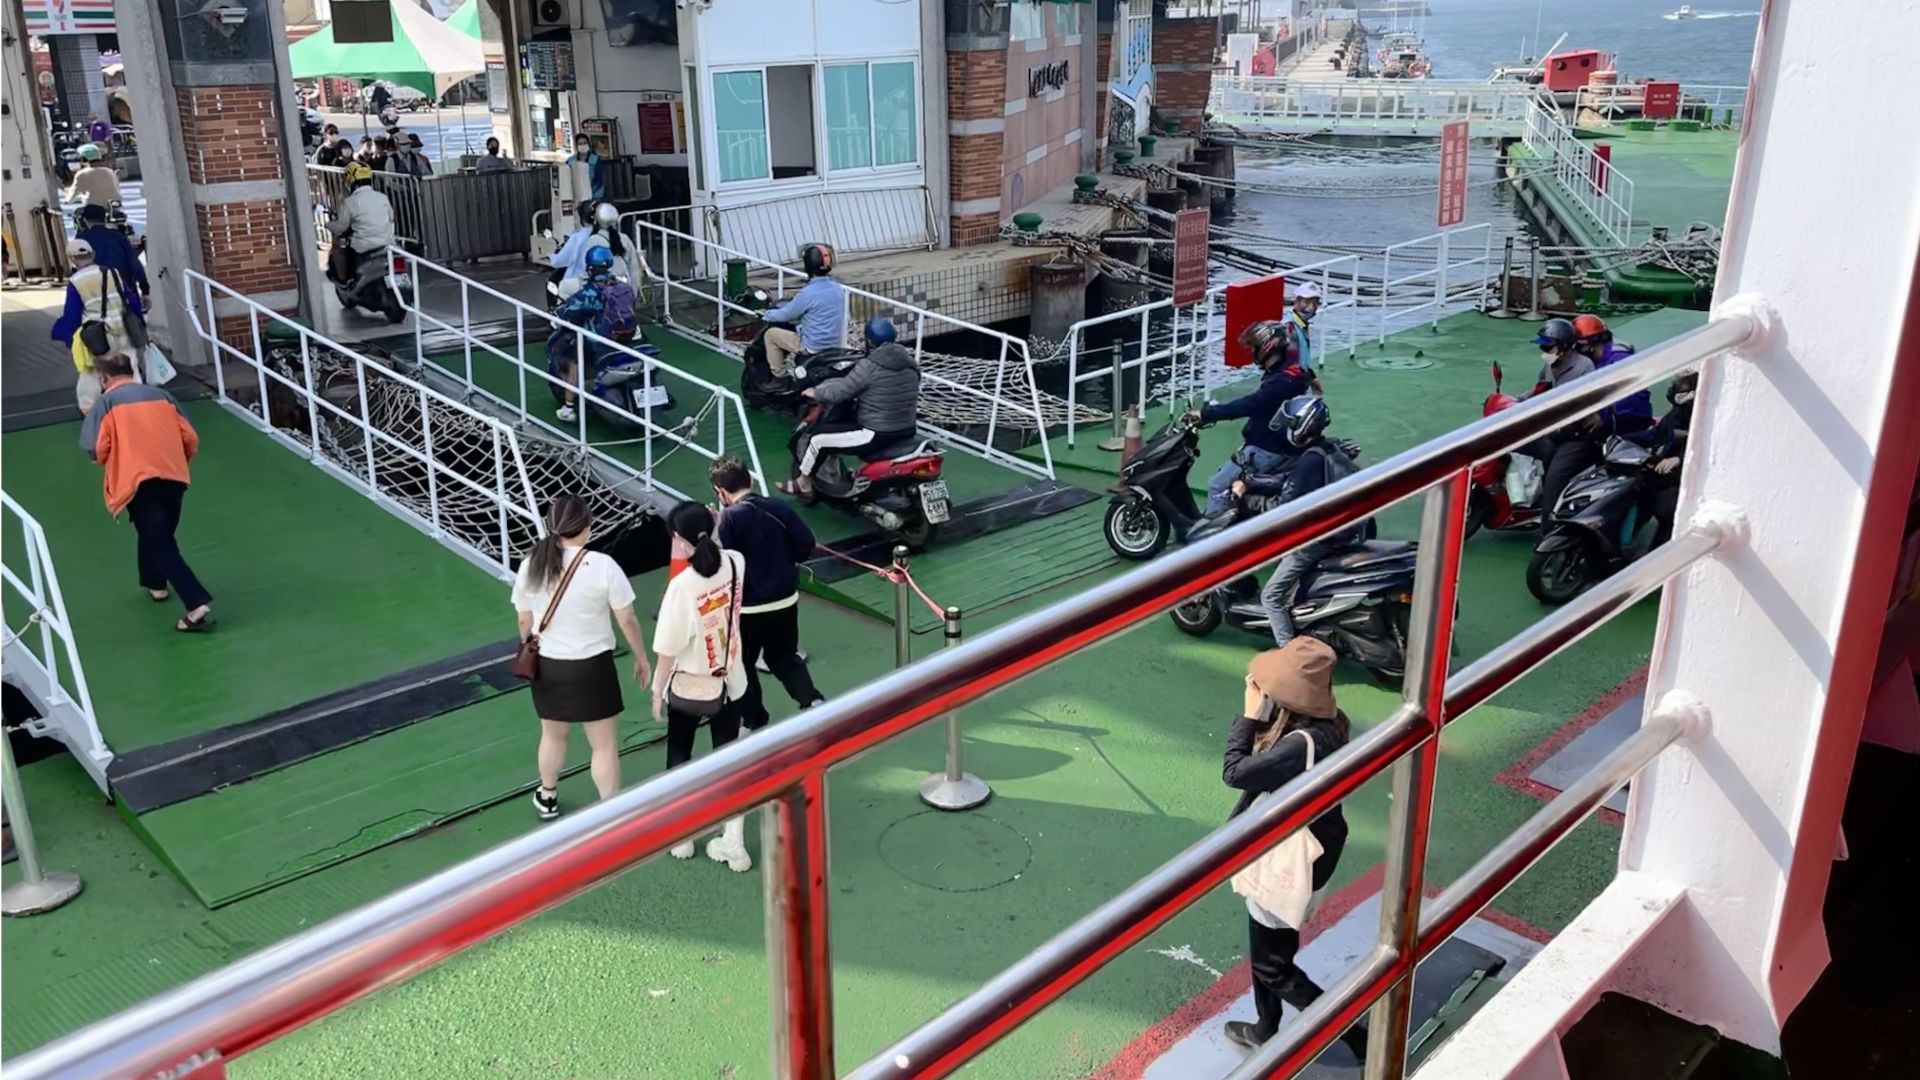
287, 985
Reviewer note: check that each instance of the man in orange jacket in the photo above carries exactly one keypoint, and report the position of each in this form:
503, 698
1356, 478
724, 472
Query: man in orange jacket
140, 436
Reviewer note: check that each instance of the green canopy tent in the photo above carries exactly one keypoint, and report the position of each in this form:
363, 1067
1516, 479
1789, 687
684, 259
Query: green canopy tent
425, 54
467, 19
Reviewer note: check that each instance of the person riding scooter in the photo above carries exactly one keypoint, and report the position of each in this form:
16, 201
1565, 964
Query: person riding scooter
884, 387
1631, 413
1572, 449
1264, 447
819, 309
1319, 462
1668, 441
365, 218
1306, 304
584, 302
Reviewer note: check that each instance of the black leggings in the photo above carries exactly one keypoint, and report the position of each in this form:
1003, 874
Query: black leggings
1276, 978
724, 726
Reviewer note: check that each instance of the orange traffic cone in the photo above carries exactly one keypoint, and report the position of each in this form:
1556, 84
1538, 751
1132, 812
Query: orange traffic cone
678, 556
1130, 441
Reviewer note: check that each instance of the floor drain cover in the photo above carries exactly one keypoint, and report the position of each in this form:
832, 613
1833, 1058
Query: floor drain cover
1394, 363
967, 852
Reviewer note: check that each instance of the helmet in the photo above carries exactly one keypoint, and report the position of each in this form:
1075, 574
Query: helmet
1309, 291
1304, 418
1589, 328
357, 172
1556, 333
89, 152
606, 214
1681, 390
93, 213
1267, 341
599, 258
880, 331
817, 259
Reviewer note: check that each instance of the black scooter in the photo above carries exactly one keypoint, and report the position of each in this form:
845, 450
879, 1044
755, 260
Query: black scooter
1596, 527
761, 390
1153, 499
1358, 601
375, 283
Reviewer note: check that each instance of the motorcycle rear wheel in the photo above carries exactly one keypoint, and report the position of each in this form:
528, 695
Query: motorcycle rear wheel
1199, 616
1479, 509
1135, 529
1555, 577
918, 532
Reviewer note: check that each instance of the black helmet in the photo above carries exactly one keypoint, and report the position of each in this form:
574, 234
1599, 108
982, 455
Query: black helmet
1267, 341
1555, 333
1681, 390
816, 259
1304, 418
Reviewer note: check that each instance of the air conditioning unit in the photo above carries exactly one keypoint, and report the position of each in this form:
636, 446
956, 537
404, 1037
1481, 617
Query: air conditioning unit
551, 14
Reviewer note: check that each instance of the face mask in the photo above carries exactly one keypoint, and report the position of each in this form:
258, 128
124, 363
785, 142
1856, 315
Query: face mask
1548, 356
582, 148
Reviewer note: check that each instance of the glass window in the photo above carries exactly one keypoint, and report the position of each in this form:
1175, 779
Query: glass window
1069, 18
740, 125
1029, 21
896, 139
849, 117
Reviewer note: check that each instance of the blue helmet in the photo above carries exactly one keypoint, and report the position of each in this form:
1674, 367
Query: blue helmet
880, 331
1304, 418
599, 258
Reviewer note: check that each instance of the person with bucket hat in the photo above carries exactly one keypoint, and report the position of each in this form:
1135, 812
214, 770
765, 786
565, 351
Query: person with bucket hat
1288, 722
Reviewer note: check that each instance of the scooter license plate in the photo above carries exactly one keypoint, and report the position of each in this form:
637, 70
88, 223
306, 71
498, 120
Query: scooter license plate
933, 500
396, 282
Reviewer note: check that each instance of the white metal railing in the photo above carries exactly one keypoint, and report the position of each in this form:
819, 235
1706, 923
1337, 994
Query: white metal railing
688, 219
874, 219
1492, 108
42, 657
1698, 101
1439, 269
921, 324
722, 403
504, 483
1194, 337
1591, 181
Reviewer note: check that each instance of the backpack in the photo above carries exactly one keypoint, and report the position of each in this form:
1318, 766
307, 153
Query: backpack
1339, 466
616, 319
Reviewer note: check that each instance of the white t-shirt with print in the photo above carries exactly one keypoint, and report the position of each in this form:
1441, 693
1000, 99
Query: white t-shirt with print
694, 626
582, 626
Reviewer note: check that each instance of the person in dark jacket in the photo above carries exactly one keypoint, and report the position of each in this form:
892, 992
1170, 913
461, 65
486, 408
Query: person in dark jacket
885, 387
1263, 448
1288, 700
775, 542
1570, 451
112, 251
1632, 413
1319, 461
1668, 441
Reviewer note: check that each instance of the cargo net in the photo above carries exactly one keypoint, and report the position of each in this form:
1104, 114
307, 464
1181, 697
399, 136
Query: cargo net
462, 444
956, 391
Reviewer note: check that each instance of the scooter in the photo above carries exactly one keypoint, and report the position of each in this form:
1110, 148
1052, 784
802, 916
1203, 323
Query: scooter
1595, 527
1358, 601
618, 379
1505, 490
1153, 499
896, 485
760, 389
376, 284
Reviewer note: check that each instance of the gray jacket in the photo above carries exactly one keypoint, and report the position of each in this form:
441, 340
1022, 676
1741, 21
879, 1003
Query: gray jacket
886, 383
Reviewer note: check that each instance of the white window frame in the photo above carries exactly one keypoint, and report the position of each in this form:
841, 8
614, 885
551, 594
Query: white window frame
919, 117
717, 172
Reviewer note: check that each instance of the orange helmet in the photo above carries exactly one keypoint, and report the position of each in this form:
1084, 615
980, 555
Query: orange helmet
1589, 328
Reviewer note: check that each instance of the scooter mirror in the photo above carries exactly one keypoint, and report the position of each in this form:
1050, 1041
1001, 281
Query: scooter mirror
1496, 376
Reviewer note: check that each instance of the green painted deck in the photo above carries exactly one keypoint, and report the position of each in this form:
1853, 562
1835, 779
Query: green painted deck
1104, 765
1679, 177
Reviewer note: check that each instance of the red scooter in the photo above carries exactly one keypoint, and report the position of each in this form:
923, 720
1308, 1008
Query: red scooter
1491, 503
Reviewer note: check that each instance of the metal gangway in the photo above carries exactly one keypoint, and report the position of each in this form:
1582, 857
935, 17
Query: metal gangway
1420, 107
700, 403
41, 656
192, 1031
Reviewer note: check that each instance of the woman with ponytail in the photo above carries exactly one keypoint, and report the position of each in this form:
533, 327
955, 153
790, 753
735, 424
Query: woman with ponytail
697, 673
564, 595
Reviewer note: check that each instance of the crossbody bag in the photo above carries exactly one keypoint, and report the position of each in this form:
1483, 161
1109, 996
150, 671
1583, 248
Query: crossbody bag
526, 659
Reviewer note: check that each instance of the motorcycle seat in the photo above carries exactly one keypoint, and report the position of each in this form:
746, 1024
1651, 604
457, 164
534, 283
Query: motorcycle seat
1371, 553
892, 449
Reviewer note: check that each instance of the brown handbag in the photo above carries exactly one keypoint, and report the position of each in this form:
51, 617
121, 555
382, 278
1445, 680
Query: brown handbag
526, 659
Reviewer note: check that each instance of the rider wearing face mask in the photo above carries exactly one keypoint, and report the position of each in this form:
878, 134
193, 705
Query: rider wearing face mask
1306, 304
1575, 447
596, 168
1668, 441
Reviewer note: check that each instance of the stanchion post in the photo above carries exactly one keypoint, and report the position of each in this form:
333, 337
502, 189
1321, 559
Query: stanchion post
1504, 309
1533, 312
1114, 398
902, 613
955, 788
36, 891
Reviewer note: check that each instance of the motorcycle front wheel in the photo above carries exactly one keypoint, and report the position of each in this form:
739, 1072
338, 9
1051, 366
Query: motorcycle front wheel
1557, 576
1199, 616
1136, 529
1479, 510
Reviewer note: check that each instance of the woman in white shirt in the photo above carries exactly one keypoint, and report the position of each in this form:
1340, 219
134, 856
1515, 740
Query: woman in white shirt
577, 682
697, 640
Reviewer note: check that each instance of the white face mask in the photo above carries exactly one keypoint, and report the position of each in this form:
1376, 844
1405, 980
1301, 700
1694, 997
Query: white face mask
582, 149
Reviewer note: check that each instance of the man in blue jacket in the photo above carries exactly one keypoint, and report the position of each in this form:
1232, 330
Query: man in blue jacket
819, 310
113, 251
774, 541
1264, 448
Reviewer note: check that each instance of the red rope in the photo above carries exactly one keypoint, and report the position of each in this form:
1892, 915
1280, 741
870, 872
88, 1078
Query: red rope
892, 574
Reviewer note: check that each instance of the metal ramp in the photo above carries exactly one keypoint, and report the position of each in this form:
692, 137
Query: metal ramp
40, 655
1419, 107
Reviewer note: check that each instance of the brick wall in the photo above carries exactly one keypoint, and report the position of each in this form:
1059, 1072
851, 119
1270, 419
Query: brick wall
975, 84
1103, 68
244, 245
976, 91
1182, 69
974, 228
231, 133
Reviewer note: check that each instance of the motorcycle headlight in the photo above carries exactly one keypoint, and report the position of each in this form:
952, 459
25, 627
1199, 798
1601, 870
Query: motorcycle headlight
1573, 504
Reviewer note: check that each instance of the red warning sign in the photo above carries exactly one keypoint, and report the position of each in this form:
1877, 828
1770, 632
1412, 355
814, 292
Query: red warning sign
1453, 175
1189, 256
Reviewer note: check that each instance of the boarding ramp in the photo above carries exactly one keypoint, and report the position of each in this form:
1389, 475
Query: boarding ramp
513, 377
1175, 355
40, 655
1598, 189
435, 462
1419, 107
973, 403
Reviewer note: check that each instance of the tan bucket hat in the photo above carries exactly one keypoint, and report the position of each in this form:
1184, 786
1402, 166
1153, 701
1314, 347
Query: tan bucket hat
1298, 677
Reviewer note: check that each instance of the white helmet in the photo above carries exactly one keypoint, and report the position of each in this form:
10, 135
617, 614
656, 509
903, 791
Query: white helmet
1309, 291
569, 286
607, 214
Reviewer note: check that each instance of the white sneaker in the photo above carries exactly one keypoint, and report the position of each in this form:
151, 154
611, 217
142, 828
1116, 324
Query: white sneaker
734, 854
565, 413
682, 850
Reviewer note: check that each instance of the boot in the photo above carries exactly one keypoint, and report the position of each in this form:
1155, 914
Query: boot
1355, 1039
730, 846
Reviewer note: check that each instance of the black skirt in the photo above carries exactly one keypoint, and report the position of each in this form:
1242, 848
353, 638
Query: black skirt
576, 691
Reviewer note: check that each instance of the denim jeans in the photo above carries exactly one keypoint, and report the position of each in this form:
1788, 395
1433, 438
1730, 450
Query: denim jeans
1277, 597
1247, 458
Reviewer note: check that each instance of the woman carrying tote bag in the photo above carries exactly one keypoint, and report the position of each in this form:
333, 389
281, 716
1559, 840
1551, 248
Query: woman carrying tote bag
698, 677
1288, 722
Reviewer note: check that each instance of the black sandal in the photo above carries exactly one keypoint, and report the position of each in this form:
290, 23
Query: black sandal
194, 626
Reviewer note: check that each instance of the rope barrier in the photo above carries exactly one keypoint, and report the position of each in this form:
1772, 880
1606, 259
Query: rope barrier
892, 575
